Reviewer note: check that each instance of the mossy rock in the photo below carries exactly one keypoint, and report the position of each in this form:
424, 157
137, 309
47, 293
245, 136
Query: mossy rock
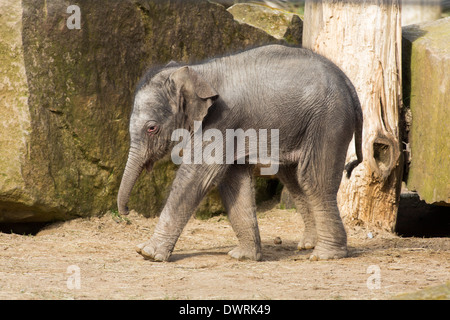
66, 97
279, 23
427, 93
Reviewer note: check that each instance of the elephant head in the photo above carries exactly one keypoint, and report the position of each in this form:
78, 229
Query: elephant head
166, 99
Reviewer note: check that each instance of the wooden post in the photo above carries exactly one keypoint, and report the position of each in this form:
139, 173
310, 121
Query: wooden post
364, 39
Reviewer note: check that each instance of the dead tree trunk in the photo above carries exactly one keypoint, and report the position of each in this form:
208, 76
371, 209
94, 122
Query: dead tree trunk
364, 39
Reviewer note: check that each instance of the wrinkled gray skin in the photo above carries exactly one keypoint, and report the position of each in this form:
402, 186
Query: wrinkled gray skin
305, 96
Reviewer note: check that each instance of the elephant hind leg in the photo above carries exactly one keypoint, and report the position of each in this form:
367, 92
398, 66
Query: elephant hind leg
320, 178
288, 176
238, 196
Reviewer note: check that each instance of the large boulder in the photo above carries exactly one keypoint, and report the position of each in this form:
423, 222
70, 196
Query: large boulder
427, 93
277, 22
66, 96
15, 123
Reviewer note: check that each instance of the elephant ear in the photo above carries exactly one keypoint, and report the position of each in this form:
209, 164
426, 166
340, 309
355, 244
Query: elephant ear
194, 95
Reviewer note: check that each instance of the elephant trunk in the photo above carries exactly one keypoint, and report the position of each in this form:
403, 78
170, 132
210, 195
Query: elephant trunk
132, 171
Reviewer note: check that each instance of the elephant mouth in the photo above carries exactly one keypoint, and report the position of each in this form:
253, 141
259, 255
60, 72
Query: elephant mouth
148, 165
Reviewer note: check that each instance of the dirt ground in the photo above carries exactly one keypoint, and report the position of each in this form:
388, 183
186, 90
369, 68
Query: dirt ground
95, 259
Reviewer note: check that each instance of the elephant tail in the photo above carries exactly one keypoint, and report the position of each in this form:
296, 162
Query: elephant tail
358, 135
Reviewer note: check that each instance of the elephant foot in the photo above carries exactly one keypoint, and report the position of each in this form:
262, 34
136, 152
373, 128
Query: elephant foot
241, 253
328, 252
149, 250
307, 242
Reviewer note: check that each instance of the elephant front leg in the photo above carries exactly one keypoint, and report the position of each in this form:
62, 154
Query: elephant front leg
238, 196
189, 187
165, 236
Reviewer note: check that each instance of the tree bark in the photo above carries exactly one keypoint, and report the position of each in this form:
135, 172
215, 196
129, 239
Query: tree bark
364, 40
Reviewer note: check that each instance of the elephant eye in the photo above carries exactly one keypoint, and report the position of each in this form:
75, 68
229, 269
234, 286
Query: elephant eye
152, 129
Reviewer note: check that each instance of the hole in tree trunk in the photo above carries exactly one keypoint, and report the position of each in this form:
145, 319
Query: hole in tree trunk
382, 156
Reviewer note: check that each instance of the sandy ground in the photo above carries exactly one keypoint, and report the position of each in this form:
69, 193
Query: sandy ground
95, 259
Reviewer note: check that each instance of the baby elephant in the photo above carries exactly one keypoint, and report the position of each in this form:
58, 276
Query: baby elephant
230, 106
